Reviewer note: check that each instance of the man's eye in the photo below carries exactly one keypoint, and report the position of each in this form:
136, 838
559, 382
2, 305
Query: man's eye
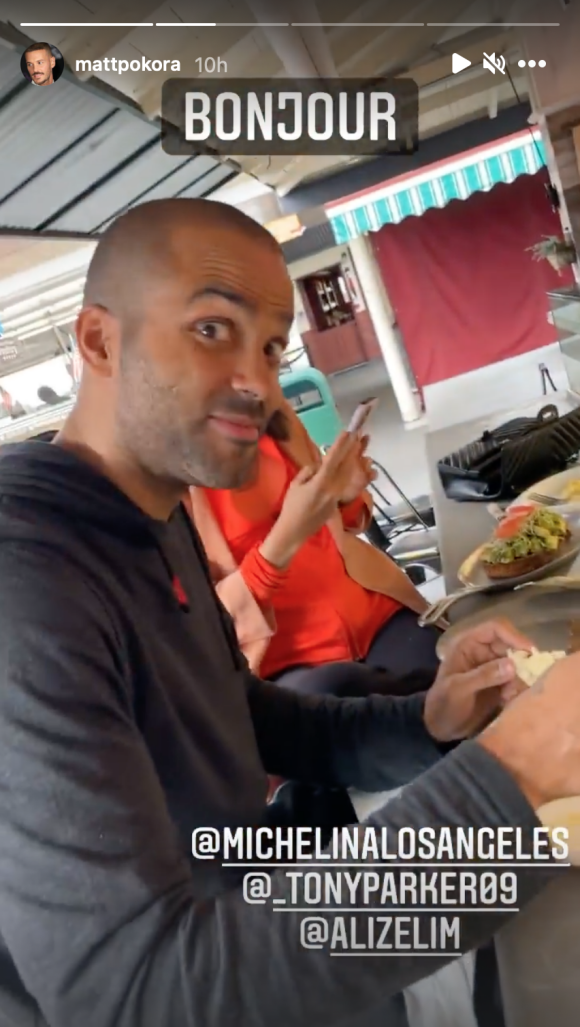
214, 330
275, 350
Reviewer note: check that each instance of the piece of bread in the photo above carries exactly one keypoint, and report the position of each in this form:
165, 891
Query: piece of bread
524, 565
530, 667
518, 568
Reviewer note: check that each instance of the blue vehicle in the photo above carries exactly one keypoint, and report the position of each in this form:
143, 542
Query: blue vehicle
308, 392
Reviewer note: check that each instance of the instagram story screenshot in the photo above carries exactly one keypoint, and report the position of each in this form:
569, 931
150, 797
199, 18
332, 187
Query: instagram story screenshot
290, 513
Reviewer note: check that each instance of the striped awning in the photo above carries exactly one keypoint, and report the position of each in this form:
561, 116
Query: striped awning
505, 161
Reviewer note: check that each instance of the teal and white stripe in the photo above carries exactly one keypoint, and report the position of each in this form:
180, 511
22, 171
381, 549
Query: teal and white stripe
459, 179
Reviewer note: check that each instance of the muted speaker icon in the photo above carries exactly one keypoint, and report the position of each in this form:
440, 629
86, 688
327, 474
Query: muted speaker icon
493, 63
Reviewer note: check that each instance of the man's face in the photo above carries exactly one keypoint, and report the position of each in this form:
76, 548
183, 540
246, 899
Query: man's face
198, 376
40, 64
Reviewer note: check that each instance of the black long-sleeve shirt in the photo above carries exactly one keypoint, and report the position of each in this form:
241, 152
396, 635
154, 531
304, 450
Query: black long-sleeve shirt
127, 719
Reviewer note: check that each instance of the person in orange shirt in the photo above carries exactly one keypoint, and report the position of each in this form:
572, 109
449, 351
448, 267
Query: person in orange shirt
316, 608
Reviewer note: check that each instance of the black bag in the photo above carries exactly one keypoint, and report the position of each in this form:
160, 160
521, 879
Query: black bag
506, 461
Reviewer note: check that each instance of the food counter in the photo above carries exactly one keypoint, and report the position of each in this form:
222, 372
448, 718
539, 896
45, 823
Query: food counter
539, 951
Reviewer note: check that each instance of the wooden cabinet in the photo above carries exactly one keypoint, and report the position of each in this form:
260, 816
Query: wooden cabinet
340, 335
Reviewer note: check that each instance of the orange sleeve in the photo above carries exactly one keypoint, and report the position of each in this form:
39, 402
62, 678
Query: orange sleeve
356, 515
261, 578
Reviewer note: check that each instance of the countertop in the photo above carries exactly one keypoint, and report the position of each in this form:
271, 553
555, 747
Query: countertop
462, 527
539, 950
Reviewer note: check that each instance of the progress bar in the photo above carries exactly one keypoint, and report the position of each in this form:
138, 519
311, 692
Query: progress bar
222, 24
84, 24
289, 24
493, 24
358, 24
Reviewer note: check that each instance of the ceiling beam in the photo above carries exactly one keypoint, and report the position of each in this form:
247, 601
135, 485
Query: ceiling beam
397, 48
478, 37
361, 14
311, 167
88, 45
241, 57
287, 43
315, 38
342, 46
461, 110
454, 90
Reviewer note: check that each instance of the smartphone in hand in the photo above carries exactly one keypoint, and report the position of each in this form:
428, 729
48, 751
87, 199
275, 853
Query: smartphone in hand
361, 416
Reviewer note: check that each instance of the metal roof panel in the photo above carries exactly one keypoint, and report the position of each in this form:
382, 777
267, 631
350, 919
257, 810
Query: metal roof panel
209, 182
129, 185
10, 74
144, 180
83, 165
185, 174
34, 130
189, 171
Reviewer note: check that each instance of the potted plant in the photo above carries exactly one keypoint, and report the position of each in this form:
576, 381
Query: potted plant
558, 252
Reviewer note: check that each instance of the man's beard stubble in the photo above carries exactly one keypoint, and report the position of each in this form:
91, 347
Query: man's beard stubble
151, 431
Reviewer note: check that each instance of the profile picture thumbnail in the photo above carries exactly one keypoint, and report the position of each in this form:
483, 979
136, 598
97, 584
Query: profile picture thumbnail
42, 64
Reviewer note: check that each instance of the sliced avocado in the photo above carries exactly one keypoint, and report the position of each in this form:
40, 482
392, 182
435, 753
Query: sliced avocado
553, 541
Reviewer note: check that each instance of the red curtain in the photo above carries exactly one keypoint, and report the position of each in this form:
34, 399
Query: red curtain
465, 291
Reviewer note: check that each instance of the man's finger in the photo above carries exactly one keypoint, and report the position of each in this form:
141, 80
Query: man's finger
504, 633
494, 674
494, 636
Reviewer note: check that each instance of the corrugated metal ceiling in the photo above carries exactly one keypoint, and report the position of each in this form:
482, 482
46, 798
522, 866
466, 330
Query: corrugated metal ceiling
73, 159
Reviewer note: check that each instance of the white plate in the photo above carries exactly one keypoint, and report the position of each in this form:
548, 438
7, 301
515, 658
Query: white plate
564, 813
472, 574
552, 487
549, 616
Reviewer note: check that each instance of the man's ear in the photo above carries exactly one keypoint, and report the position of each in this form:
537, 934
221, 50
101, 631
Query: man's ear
98, 335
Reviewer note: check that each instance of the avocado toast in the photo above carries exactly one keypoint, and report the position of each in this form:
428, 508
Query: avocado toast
525, 543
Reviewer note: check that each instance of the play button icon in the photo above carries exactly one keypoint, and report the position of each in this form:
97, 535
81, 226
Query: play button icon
459, 63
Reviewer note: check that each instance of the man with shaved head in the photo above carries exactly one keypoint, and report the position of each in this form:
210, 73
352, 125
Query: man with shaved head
180, 404
129, 721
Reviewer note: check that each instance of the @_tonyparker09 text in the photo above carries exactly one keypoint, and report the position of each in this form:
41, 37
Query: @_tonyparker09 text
366, 893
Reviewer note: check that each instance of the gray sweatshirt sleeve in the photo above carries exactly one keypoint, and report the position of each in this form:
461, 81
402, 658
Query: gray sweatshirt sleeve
101, 909
375, 744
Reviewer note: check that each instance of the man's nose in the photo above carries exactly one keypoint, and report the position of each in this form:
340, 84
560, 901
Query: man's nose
253, 374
